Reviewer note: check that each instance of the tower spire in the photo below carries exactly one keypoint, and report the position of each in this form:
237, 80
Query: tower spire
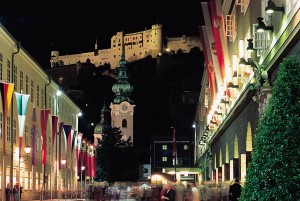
96, 47
105, 120
122, 89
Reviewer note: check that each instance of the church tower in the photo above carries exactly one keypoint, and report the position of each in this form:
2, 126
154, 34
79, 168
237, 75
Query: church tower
122, 107
103, 125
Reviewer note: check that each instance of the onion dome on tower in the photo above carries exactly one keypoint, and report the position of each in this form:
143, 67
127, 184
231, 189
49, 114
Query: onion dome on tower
105, 120
122, 88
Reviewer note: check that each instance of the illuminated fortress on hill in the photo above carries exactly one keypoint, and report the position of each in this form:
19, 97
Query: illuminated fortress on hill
138, 45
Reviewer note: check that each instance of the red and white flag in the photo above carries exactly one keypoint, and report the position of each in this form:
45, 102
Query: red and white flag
22, 104
44, 119
77, 150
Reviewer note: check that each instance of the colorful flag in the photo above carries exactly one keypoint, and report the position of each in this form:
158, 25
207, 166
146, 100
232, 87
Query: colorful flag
54, 128
82, 152
78, 143
77, 150
6, 95
74, 133
88, 157
94, 161
72, 143
68, 135
6, 92
61, 125
22, 104
44, 119
218, 29
211, 44
208, 61
33, 134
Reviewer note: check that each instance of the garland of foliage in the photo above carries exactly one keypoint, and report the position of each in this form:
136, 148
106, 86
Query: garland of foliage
274, 172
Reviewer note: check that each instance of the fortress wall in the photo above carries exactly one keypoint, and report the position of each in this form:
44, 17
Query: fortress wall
138, 45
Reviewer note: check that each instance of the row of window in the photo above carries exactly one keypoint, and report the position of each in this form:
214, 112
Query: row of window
36, 92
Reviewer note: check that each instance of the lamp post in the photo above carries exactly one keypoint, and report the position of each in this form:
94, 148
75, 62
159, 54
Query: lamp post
27, 151
82, 169
44, 165
195, 142
58, 93
63, 162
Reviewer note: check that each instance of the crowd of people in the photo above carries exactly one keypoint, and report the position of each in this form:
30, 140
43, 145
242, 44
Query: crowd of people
206, 191
15, 192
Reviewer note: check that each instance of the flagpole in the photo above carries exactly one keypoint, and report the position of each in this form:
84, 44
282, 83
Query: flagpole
33, 144
44, 165
3, 156
174, 152
175, 178
31, 180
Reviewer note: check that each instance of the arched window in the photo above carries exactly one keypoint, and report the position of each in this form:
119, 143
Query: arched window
124, 123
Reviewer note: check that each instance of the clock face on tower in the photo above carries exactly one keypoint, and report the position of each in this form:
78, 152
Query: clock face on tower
124, 107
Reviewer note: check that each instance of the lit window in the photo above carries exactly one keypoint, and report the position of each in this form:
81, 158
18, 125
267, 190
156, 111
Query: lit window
164, 159
164, 147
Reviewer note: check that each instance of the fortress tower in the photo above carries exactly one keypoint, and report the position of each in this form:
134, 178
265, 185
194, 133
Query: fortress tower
137, 46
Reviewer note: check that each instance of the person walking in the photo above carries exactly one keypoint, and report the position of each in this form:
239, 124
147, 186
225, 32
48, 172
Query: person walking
179, 192
235, 190
8, 192
162, 192
170, 193
188, 193
203, 191
16, 192
195, 190
21, 191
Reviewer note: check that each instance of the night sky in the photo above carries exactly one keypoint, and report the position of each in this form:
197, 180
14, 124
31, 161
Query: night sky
71, 30
74, 29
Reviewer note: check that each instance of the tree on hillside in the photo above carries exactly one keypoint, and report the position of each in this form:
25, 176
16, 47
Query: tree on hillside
274, 172
116, 158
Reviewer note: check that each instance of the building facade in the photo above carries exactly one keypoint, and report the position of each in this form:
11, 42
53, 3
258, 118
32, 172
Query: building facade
137, 45
237, 82
40, 172
164, 152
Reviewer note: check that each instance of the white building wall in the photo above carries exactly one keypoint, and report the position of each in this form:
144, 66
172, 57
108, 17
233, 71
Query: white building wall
35, 82
116, 120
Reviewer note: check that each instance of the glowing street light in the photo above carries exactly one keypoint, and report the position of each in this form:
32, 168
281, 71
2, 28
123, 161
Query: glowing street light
63, 162
82, 169
27, 151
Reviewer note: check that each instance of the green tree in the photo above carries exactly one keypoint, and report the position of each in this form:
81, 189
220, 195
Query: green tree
116, 158
274, 172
